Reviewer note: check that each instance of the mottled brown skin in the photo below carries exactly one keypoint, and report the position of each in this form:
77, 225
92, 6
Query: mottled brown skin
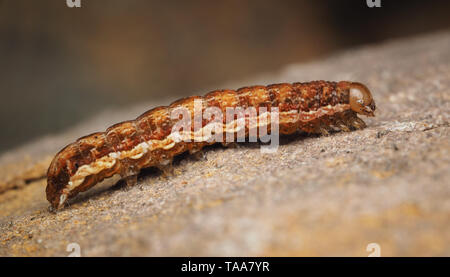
157, 124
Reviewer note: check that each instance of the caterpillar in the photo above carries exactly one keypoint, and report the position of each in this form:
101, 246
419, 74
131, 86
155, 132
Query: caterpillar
149, 141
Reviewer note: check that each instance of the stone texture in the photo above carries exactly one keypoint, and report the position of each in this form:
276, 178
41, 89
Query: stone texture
324, 196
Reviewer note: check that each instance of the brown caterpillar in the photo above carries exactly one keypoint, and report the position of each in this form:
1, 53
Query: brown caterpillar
126, 147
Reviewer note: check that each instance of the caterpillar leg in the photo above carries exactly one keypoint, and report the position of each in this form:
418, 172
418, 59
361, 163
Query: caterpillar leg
167, 169
342, 125
230, 144
131, 180
129, 173
349, 121
323, 129
358, 123
199, 155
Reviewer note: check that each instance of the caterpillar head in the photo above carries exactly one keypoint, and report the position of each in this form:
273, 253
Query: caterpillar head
361, 100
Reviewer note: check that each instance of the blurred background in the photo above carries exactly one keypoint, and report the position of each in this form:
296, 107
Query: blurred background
61, 65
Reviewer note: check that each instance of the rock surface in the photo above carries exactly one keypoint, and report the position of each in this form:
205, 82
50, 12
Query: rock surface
327, 196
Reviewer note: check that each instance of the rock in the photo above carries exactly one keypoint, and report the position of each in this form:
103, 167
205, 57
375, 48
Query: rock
326, 196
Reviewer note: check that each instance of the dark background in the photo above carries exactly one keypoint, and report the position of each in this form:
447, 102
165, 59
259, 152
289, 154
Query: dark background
60, 65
